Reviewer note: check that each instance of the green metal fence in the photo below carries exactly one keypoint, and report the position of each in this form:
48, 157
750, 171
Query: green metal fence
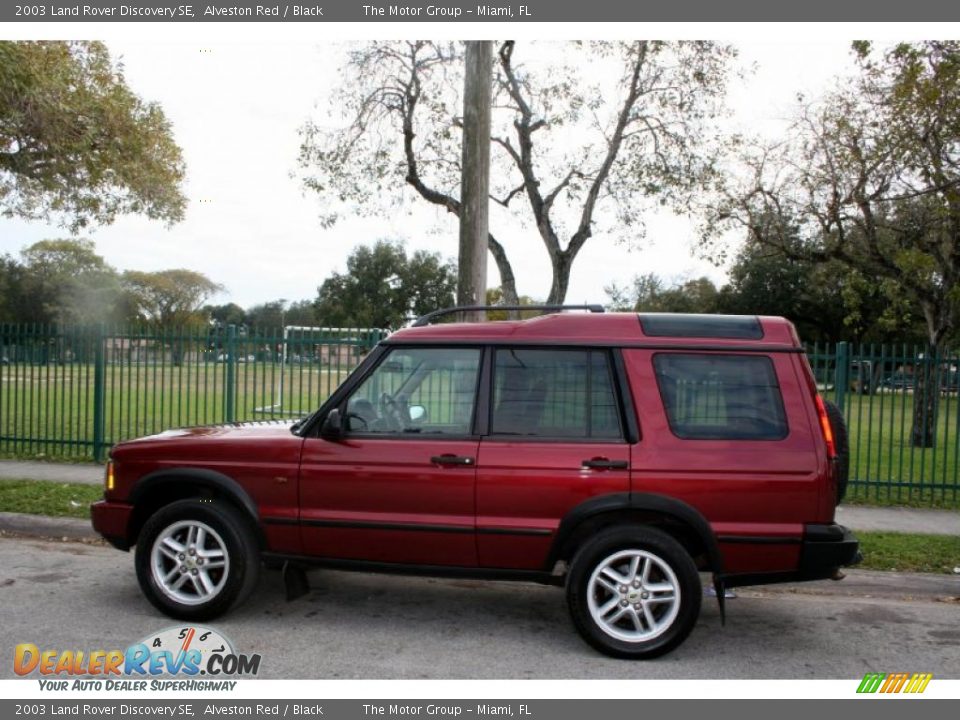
75, 391
878, 388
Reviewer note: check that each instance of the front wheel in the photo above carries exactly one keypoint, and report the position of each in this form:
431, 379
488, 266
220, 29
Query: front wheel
196, 558
633, 592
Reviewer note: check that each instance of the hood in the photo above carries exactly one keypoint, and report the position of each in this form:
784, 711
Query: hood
244, 431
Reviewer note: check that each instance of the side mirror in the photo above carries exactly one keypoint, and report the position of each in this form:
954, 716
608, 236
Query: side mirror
332, 427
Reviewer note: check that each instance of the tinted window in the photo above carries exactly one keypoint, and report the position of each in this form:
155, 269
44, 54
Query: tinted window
721, 397
741, 327
554, 393
418, 391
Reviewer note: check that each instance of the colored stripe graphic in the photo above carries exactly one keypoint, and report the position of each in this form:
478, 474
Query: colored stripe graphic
894, 682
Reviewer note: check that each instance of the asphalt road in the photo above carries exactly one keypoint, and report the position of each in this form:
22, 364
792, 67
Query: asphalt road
351, 625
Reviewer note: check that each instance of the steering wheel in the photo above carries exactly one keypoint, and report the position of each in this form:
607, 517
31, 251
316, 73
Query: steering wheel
390, 409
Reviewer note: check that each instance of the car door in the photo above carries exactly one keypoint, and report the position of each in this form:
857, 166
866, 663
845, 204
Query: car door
555, 439
398, 485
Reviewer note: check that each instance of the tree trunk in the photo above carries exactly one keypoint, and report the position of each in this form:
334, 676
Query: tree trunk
561, 263
926, 396
475, 177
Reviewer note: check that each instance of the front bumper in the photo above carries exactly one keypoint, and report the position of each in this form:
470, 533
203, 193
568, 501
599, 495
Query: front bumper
112, 521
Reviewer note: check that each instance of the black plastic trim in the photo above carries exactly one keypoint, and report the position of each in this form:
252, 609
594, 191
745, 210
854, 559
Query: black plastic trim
758, 540
625, 398
280, 521
589, 343
416, 527
538, 532
659, 504
474, 573
411, 527
424, 320
202, 477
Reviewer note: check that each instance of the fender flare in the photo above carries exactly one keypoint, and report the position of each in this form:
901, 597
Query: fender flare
202, 478
678, 510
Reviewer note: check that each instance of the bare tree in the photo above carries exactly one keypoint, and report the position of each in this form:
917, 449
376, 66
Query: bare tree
587, 136
870, 177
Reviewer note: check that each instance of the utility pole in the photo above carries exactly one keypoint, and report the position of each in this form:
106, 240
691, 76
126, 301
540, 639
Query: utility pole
475, 180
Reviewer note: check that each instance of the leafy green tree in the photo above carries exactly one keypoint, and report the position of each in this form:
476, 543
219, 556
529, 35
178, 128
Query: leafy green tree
870, 178
169, 299
581, 146
227, 314
65, 280
384, 288
649, 293
77, 143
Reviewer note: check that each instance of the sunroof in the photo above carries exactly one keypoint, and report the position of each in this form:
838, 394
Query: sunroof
740, 327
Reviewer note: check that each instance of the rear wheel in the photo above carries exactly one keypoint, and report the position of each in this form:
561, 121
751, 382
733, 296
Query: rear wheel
633, 592
196, 558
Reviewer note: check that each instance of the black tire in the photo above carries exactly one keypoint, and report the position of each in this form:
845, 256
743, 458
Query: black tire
240, 547
601, 548
841, 443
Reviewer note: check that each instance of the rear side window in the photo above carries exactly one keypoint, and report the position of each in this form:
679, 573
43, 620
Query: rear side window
721, 397
554, 393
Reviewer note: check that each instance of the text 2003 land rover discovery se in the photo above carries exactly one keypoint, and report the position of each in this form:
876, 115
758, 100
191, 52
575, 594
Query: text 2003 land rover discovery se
614, 454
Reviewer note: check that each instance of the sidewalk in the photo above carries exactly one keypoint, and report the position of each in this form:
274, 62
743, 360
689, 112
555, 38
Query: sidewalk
856, 517
88, 474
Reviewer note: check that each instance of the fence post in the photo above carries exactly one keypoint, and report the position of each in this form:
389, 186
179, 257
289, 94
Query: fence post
99, 392
230, 391
842, 378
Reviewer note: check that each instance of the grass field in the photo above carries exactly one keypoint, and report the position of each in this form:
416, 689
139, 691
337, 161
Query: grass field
884, 465
908, 552
48, 411
48, 498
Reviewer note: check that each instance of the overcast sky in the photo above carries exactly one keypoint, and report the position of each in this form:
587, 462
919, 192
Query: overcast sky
236, 110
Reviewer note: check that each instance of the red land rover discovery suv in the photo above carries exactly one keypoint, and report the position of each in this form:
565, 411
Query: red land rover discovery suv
617, 455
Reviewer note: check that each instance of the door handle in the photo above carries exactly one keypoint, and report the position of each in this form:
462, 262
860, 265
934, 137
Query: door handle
605, 464
451, 460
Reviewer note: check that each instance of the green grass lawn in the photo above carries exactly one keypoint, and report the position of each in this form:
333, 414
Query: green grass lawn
48, 498
881, 454
909, 552
47, 411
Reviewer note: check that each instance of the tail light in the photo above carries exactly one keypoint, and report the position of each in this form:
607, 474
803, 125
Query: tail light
108, 477
825, 428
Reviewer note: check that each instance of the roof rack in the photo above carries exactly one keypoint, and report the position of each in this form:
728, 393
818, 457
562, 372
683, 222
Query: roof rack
426, 319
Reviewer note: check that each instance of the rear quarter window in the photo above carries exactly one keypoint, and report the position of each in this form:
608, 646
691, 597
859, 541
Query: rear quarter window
721, 397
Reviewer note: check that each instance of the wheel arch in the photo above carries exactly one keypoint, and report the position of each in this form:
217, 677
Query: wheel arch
162, 487
682, 521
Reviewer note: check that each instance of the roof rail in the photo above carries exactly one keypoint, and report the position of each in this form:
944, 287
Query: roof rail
426, 319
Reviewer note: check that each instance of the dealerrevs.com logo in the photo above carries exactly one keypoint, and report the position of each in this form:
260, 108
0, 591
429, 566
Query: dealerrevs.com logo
178, 658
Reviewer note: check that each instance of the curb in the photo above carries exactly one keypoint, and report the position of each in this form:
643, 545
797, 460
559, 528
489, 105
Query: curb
43, 526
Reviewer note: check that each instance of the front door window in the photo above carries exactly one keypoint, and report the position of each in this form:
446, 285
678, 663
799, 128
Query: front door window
417, 391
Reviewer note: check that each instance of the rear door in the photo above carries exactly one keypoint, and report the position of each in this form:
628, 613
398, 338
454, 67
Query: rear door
729, 434
398, 487
555, 438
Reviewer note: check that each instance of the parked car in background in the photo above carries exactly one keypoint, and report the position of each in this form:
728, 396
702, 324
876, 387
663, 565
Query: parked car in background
899, 380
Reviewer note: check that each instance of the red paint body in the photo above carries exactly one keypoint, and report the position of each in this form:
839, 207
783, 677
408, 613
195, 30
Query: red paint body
384, 500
